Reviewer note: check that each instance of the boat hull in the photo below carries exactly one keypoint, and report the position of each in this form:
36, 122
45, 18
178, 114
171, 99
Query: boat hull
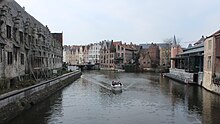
116, 87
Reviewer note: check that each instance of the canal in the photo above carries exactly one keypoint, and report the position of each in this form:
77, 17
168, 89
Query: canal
146, 98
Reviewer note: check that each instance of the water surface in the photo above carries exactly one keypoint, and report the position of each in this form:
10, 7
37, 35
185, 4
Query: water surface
146, 98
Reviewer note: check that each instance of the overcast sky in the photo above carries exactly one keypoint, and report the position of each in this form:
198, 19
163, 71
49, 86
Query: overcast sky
138, 21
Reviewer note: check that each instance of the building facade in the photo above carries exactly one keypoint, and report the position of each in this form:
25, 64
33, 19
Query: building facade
28, 48
94, 53
114, 54
187, 65
165, 54
211, 78
175, 50
149, 57
107, 55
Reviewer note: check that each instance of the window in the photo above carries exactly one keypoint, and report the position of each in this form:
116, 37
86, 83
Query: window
15, 53
22, 58
209, 44
29, 38
8, 31
21, 36
9, 58
209, 62
0, 53
14, 33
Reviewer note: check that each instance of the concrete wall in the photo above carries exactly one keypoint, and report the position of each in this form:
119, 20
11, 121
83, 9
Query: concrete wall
181, 75
200, 78
13, 103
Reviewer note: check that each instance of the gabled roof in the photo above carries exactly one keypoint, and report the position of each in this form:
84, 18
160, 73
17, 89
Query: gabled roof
214, 34
15, 7
145, 46
117, 43
217, 32
190, 51
201, 40
163, 45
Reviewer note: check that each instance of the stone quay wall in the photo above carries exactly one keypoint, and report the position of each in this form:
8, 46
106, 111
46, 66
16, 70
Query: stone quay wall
13, 103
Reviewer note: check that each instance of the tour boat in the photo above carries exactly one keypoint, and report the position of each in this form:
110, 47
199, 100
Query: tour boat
116, 86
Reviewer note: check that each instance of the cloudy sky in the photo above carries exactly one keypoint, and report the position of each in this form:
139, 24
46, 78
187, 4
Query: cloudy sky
138, 21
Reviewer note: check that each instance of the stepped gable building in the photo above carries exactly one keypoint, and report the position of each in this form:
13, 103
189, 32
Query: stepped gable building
94, 53
28, 48
114, 54
107, 54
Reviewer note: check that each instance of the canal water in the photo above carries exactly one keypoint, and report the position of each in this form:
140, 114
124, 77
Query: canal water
147, 98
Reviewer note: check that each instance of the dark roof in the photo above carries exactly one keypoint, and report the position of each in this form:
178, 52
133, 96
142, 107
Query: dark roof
163, 45
194, 49
197, 50
145, 46
190, 46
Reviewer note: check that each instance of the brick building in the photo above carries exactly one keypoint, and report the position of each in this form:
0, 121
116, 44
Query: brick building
149, 57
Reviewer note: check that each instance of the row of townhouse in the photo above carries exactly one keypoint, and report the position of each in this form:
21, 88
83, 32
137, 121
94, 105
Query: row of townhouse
75, 55
108, 54
115, 54
27, 48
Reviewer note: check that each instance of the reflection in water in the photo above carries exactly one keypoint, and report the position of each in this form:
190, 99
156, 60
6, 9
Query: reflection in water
146, 98
39, 114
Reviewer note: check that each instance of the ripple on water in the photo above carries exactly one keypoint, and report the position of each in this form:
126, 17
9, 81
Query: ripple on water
144, 99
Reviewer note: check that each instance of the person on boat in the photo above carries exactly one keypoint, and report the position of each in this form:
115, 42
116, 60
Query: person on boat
113, 83
116, 83
119, 83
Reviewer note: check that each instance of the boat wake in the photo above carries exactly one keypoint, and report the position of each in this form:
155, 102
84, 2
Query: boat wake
100, 83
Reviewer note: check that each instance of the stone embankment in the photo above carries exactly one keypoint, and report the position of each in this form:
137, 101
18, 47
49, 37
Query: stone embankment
13, 103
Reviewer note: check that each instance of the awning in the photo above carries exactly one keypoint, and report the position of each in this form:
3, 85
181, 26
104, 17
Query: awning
178, 58
197, 50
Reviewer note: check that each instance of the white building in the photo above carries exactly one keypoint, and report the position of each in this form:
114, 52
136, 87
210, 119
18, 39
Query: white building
94, 53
